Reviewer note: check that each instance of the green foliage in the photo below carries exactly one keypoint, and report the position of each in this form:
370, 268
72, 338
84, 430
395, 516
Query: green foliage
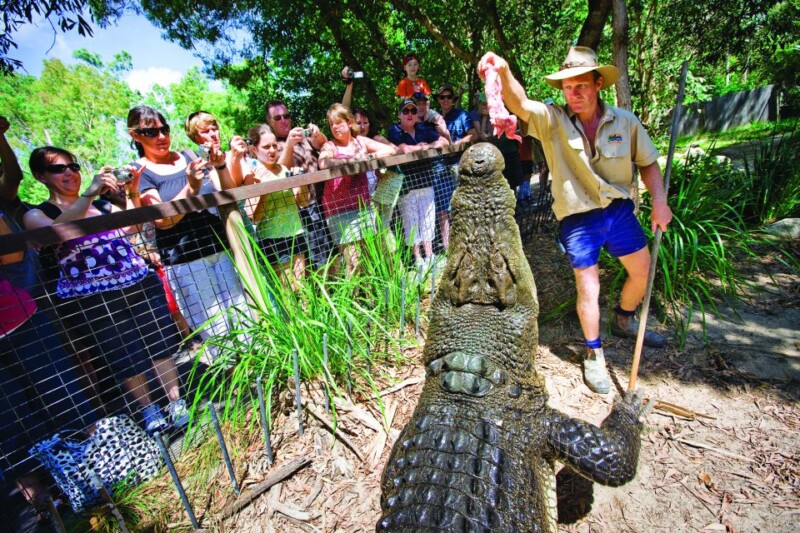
753, 132
774, 178
351, 312
82, 115
729, 45
295, 50
66, 14
708, 237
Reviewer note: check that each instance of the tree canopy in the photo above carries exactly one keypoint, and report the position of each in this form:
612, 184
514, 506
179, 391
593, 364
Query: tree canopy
295, 50
268, 49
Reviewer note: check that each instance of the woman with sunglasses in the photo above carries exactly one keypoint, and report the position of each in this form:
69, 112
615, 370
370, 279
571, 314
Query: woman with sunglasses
40, 392
192, 245
417, 205
106, 293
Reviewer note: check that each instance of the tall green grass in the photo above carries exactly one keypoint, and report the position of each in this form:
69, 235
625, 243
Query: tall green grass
711, 232
698, 255
351, 310
774, 175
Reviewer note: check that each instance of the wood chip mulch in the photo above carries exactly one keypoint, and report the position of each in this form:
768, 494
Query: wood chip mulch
720, 454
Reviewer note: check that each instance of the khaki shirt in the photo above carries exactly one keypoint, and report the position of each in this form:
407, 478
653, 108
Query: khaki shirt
582, 182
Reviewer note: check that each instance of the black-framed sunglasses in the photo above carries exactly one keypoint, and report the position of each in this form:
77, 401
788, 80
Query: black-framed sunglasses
445, 97
61, 168
409, 111
278, 118
153, 132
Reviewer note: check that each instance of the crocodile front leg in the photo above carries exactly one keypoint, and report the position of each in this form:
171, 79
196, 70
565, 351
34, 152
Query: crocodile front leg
608, 454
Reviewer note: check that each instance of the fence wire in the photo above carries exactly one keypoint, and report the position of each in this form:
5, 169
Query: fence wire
105, 320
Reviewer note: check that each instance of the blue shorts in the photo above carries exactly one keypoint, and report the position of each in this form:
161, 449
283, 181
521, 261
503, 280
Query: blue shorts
615, 227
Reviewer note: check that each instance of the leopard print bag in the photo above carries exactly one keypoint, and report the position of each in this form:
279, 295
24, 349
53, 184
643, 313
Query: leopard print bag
119, 451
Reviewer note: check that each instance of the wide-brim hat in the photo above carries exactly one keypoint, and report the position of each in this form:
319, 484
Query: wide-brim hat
580, 60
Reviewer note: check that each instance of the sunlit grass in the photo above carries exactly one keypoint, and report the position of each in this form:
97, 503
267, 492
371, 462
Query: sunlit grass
741, 134
351, 311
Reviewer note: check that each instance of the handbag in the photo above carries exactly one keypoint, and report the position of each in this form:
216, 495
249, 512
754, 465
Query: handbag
118, 452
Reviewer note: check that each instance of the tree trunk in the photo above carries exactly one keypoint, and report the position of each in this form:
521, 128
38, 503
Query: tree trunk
505, 46
619, 37
333, 22
592, 30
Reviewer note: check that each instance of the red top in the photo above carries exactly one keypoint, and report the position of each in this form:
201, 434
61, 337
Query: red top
347, 193
406, 88
16, 306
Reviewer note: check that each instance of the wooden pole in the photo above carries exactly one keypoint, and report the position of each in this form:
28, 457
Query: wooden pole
637, 352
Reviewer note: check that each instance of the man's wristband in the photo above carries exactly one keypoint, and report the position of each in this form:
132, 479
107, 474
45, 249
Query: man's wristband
221, 167
347, 81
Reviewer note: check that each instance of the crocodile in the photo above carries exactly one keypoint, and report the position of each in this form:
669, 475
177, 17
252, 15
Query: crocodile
479, 452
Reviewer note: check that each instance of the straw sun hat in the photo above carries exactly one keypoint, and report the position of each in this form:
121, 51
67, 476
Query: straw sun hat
581, 59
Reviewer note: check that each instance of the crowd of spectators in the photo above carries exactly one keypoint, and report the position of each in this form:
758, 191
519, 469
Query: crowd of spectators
130, 297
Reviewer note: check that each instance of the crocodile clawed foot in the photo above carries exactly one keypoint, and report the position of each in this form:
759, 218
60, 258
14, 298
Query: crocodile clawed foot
635, 404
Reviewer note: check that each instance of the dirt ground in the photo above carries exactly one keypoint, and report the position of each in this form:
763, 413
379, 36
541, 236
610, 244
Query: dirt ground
728, 463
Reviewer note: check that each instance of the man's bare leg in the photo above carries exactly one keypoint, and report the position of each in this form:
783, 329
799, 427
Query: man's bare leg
587, 281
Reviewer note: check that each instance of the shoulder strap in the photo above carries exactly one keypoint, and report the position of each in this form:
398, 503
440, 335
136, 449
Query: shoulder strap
104, 206
49, 209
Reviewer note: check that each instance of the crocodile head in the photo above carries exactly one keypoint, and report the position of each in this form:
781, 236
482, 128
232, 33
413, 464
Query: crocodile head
488, 265
483, 325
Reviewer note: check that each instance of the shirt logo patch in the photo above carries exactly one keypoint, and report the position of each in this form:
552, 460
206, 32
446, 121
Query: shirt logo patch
615, 138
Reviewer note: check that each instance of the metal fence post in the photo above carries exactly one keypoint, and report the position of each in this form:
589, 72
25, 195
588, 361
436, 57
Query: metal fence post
176, 480
225, 456
263, 409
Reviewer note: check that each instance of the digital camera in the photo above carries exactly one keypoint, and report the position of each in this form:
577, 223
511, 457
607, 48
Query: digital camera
203, 152
123, 175
307, 132
355, 75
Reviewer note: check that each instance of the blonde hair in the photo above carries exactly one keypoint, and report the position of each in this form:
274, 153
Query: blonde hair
338, 112
197, 121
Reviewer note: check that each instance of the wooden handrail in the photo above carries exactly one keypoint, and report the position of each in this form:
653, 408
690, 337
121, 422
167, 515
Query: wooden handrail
69, 230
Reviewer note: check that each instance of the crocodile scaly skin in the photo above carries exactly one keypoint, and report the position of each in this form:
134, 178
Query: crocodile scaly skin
479, 451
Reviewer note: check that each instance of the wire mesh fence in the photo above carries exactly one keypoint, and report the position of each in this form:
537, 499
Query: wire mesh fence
126, 319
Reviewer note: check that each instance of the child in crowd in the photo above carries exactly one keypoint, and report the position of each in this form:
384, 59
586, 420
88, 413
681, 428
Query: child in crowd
412, 83
278, 225
346, 199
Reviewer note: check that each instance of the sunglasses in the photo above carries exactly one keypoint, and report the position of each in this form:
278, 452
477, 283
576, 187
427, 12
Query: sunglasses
153, 132
278, 118
409, 111
61, 168
445, 97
